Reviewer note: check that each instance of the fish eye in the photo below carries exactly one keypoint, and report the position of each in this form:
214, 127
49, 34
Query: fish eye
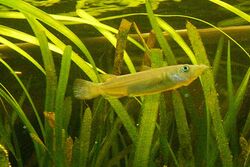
185, 68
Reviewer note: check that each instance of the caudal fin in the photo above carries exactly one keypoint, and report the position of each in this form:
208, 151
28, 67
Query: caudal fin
85, 90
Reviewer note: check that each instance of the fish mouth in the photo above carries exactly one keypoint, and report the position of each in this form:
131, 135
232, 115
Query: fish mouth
203, 66
200, 69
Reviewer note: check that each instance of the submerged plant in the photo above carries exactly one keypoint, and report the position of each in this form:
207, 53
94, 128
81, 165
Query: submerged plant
175, 128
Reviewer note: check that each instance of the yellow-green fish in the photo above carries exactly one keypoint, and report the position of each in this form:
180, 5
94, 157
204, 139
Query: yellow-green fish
147, 82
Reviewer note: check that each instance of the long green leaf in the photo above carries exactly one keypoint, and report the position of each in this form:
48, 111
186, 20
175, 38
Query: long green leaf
170, 58
166, 119
207, 23
178, 39
146, 131
86, 67
232, 9
211, 98
230, 118
85, 138
51, 78
67, 112
51, 83
108, 35
230, 88
59, 111
108, 143
22, 52
124, 117
26, 93
186, 157
16, 107
68, 20
148, 122
246, 129
218, 54
42, 16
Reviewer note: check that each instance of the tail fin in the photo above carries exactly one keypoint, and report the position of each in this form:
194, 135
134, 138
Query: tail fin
85, 90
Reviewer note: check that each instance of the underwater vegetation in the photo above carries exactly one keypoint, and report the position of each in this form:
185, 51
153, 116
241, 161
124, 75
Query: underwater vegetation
136, 118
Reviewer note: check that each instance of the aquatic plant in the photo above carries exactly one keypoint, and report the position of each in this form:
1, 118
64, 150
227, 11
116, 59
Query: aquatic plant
174, 128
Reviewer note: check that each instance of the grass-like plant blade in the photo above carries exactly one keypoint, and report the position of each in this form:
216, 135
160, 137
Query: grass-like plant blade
146, 131
22, 52
108, 143
170, 58
211, 99
232, 9
68, 20
51, 77
235, 101
166, 119
85, 137
107, 34
16, 107
218, 54
119, 156
75, 153
67, 112
51, 83
186, 157
59, 110
178, 39
26, 93
11, 15
13, 33
8, 135
39, 14
207, 23
246, 129
124, 117
230, 118
148, 122
198, 121
96, 24
15, 140
230, 87
17, 151
14, 104
164, 127
79, 61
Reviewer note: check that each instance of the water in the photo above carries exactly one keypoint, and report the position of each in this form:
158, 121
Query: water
104, 117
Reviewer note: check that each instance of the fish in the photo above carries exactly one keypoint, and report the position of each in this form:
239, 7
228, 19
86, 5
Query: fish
152, 81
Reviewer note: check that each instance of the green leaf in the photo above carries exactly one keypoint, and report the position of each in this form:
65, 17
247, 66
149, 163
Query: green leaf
232, 9
85, 138
186, 157
211, 99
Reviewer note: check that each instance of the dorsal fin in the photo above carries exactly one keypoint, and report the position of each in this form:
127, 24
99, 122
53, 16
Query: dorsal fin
144, 68
106, 77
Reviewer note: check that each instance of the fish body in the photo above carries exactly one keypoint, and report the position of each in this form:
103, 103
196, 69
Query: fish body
147, 82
